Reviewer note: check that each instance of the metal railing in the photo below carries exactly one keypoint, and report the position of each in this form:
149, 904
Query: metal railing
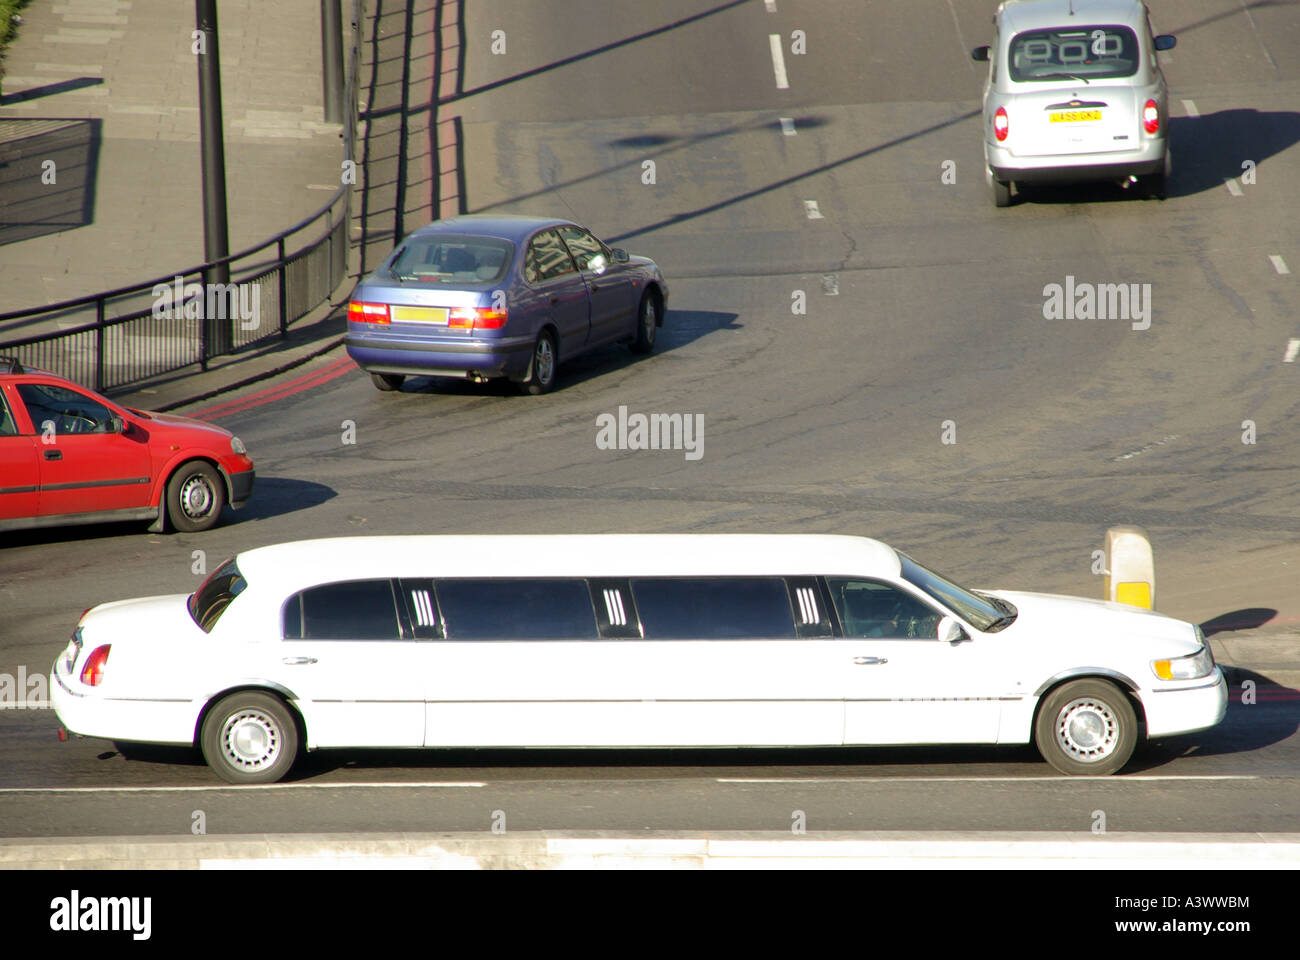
125, 336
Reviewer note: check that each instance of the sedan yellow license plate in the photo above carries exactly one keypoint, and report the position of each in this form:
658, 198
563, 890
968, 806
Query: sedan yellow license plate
419, 314
1075, 116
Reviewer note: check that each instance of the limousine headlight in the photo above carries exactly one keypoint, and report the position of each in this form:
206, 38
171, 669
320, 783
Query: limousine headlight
1199, 664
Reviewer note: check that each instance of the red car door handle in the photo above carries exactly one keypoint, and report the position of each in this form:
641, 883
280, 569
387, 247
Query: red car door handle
53, 454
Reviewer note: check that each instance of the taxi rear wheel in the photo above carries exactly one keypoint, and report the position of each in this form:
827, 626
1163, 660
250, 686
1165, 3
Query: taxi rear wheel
249, 737
1086, 728
195, 495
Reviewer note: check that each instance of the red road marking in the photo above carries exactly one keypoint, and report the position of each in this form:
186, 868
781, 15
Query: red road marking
277, 392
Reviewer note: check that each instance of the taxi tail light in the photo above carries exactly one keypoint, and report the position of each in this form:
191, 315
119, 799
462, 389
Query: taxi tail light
1150, 116
1001, 125
93, 672
476, 318
361, 312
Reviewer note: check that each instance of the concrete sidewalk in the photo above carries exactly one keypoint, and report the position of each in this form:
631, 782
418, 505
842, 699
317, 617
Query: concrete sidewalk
108, 90
726, 850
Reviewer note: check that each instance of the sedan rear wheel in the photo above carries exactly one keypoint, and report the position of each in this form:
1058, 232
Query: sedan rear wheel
388, 381
250, 737
1087, 727
541, 369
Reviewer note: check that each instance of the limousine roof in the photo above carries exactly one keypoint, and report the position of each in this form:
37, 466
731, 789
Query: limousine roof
304, 562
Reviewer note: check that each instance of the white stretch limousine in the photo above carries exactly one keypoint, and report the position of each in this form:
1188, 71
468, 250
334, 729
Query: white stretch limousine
622, 641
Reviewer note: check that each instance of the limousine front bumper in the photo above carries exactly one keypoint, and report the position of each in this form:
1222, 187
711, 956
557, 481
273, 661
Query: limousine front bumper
1186, 709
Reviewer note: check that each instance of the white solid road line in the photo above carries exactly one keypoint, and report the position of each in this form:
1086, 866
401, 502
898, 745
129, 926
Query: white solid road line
778, 61
1058, 779
1279, 264
232, 786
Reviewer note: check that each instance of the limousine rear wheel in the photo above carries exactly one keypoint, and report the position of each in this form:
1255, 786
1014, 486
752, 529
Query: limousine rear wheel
250, 737
1086, 727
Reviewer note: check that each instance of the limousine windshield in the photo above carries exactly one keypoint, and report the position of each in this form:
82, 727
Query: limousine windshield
983, 613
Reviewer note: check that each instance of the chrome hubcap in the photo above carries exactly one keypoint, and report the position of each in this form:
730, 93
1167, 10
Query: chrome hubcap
649, 320
1087, 730
250, 740
196, 497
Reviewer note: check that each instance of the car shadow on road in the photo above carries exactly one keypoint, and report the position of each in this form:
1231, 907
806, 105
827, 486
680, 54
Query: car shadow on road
1261, 712
681, 327
1249, 618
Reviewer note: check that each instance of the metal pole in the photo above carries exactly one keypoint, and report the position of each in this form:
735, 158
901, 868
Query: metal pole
218, 334
331, 54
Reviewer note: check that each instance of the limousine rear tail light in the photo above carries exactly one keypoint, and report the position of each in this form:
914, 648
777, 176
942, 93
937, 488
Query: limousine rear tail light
1150, 117
476, 318
93, 672
1001, 125
362, 312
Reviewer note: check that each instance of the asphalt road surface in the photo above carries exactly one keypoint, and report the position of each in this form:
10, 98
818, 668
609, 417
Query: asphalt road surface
924, 317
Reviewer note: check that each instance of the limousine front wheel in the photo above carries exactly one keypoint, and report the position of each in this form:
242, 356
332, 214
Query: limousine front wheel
1087, 727
250, 737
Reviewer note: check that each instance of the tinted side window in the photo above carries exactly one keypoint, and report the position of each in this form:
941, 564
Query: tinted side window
356, 610
209, 601
8, 425
68, 410
547, 258
516, 610
583, 246
869, 610
714, 608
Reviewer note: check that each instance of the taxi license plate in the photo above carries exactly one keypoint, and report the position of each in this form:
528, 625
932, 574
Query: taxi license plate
403, 314
1075, 116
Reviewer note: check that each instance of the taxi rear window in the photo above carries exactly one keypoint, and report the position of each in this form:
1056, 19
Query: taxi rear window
1064, 53
209, 601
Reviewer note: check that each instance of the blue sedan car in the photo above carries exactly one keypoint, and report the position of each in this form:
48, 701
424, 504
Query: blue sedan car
481, 297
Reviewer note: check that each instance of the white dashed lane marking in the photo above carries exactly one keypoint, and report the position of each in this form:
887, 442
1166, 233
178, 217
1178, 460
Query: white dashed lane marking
787, 126
1234, 188
778, 61
810, 208
1279, 264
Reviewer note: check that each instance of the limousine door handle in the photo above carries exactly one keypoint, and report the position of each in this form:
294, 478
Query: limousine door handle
296, 661
869, 661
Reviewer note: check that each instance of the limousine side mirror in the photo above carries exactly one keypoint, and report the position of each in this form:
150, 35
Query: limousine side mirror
981, 53
950, 631
1166, 41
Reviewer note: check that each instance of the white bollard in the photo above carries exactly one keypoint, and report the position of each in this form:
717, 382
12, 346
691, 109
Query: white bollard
1130, 567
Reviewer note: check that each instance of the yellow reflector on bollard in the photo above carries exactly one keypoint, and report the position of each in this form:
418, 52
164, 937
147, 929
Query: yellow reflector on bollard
1134, 594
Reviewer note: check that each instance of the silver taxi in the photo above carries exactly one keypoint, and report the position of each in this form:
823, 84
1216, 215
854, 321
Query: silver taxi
1074, 93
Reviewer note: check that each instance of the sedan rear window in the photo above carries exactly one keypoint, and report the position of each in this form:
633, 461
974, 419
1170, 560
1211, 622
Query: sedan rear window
209, 601
1066, 53
452, 259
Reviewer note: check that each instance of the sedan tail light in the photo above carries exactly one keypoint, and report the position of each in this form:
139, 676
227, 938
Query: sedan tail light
1001, 125
361, 312
93, 672
476, 318
1150, 116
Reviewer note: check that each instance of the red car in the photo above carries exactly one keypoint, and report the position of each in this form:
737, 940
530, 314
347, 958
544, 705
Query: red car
68, 455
